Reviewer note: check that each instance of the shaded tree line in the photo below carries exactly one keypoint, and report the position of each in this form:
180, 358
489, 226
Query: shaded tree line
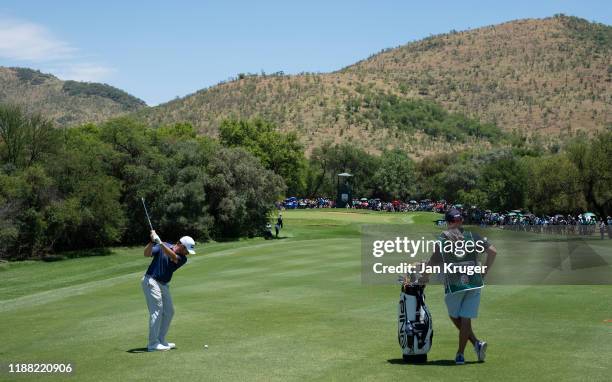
78, 188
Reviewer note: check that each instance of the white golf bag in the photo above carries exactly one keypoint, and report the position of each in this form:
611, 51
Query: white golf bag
415, 328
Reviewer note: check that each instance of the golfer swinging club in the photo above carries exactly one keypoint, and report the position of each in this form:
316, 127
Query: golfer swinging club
462, 292
167, 258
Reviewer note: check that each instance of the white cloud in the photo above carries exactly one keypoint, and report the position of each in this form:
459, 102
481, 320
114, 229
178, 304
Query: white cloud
89, 72
20, 40
26, 43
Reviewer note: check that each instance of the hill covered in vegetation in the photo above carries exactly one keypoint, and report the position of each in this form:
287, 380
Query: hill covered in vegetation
549, 77
66, 102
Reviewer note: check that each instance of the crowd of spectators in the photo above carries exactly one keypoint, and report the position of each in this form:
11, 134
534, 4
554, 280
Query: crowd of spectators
581, 224
373, 204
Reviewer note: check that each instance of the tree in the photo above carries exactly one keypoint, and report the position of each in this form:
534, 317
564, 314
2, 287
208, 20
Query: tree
241, 193
473, 197
504, 180
184, 202
25, 138
12, 132
592, 160
279, 152
87, 210
395, 177
42, 138
34, 192
460, 176
554, 185
136, 161
318, 180
429, 174
345, 157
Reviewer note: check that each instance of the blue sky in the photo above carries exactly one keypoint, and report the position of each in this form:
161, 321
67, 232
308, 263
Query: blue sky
160, 50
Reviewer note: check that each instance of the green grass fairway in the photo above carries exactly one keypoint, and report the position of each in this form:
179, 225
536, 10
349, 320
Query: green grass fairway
290, 309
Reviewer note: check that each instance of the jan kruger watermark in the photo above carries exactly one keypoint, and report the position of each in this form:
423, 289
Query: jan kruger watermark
422, 268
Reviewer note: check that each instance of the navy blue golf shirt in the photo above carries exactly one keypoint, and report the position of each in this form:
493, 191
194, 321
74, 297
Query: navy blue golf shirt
161, 267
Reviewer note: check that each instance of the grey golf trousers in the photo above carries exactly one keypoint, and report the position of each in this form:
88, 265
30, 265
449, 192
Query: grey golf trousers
160, 307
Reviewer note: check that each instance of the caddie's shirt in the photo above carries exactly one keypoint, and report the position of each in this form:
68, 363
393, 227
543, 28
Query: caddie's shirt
161, 267
459, 281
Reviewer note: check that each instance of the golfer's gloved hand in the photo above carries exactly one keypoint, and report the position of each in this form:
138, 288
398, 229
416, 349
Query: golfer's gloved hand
155, 238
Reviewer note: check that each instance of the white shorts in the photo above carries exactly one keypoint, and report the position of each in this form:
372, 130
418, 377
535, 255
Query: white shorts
463, 304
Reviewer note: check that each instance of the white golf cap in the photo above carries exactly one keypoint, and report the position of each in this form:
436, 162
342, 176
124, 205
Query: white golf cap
189, 243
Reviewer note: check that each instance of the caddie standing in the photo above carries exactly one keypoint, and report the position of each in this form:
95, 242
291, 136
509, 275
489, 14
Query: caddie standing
167, 258
462, 291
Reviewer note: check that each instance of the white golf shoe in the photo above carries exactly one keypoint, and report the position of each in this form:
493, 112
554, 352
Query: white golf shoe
481, 350
159, 347
171, 345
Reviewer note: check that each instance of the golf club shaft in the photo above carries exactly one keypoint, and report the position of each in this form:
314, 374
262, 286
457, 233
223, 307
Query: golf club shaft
146, 213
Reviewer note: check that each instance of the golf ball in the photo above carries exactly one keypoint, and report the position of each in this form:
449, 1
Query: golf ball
205, 346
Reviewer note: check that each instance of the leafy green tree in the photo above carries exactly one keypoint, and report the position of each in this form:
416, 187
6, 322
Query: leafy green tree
395, 177
592, 160
140, 166
430, 177
554, 185
184, 202
241, 193
87, 211
176, 132
279, 152
330, 160
10, 203
42, 139
12, 133
474, 197
35, 192
504, 180
461, 176
25, 138
318, 178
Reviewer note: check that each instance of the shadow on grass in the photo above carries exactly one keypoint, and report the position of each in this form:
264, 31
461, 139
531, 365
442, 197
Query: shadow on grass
439, 362
137, 350
142, 350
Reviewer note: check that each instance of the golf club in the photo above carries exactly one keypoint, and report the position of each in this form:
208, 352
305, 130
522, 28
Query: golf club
146, 213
